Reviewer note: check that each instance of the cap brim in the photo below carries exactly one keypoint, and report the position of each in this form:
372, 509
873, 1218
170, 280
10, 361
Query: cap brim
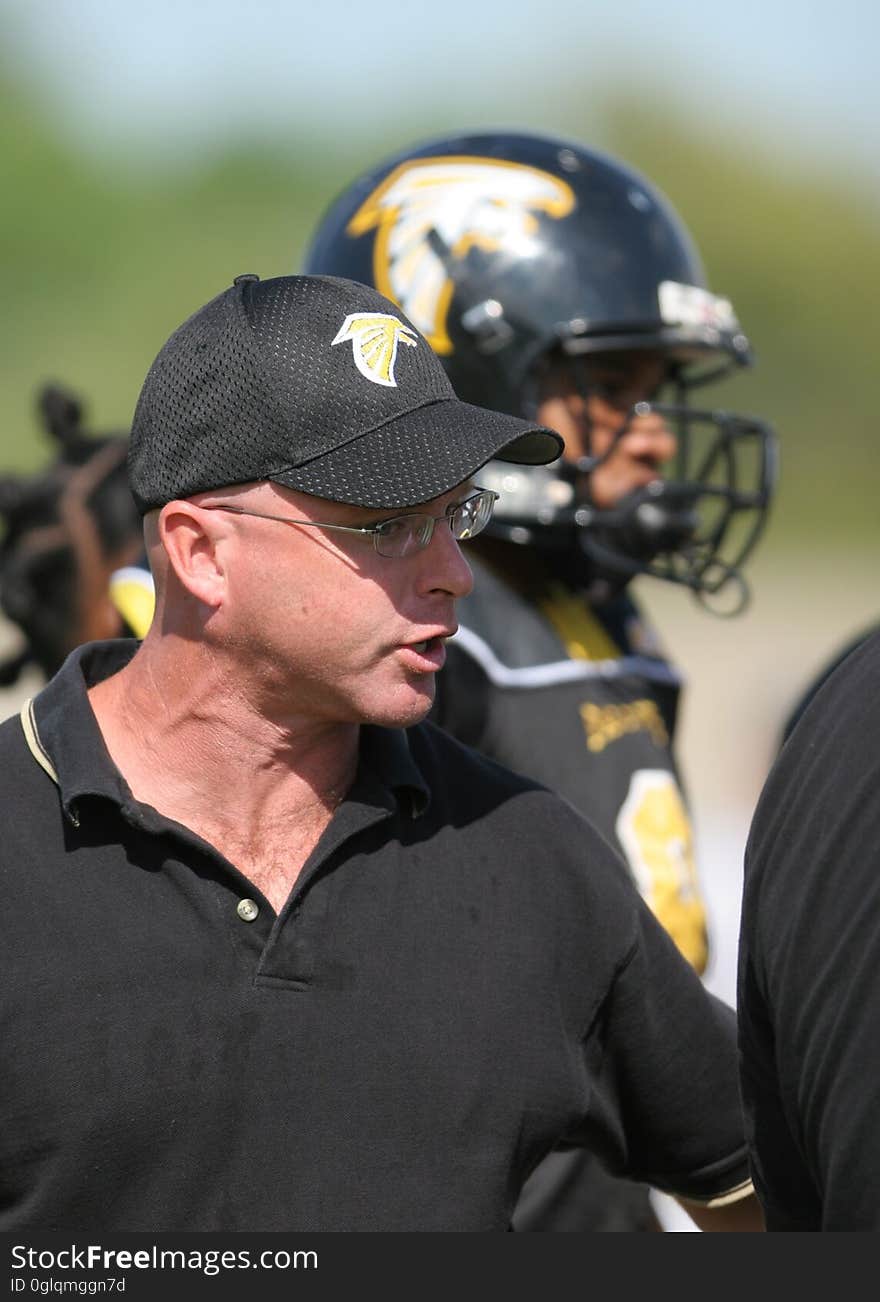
421, 455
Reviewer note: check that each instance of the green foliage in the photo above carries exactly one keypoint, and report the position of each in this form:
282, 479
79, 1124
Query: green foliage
102, 259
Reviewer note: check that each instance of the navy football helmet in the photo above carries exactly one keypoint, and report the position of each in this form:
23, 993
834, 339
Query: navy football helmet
507, 248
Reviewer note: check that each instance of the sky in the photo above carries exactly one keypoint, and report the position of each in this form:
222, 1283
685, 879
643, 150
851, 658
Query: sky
174, 75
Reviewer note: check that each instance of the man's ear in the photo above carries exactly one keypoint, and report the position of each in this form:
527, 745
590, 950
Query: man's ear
189, 538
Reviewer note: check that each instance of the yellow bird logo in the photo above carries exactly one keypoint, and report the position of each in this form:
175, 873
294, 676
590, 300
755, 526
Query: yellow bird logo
374, 339
483, 202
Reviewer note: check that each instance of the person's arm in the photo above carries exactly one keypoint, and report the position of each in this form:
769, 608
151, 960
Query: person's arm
668, 1085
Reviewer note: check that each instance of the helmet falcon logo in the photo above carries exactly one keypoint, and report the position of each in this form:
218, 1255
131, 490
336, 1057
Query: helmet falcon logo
374, 338
466, 202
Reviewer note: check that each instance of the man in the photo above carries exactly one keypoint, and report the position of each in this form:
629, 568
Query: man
278, 955
808, 994
554, 282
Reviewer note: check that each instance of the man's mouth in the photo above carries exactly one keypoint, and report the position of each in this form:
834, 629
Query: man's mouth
428, 644
430, 652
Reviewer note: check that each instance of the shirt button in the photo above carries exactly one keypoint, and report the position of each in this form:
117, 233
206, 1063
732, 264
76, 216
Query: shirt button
247, 910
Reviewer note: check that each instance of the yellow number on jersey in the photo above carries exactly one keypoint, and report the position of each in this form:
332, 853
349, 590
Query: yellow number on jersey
654, 829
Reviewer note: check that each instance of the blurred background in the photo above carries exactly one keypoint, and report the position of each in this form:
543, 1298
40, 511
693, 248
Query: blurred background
151, 153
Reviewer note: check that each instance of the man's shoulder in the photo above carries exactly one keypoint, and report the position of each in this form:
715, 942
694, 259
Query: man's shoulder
19, 768
845, 702
843, 678
443, 758
466, 782
832, 757
495, 814
11, 733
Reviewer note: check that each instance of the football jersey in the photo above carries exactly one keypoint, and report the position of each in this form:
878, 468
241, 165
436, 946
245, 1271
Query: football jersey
581, 699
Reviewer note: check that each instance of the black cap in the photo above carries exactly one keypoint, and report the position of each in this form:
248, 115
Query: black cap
320, 384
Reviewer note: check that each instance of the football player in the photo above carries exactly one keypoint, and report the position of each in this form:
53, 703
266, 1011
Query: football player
556, 282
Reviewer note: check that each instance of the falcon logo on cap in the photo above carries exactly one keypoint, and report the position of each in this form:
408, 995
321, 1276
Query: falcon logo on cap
461, 203
374, 338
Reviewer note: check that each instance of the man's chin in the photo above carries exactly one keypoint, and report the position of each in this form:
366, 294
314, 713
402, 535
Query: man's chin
407, 710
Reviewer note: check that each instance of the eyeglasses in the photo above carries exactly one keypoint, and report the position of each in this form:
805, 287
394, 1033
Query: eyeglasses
402, 535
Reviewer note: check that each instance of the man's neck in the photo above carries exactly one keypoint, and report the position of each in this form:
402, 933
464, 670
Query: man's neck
259, 789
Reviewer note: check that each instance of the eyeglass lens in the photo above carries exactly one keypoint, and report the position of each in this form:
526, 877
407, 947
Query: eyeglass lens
408, 533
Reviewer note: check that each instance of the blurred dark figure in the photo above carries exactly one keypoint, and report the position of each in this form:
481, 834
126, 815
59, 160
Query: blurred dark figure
69, 532
808, 996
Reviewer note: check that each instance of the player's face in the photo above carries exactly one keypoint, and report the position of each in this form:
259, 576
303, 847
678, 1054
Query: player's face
328, 627
587, 400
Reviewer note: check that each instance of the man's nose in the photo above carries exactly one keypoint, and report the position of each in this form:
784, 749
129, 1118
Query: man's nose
443, 564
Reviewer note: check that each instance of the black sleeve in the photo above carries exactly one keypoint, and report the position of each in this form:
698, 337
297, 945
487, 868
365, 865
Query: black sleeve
667, 1109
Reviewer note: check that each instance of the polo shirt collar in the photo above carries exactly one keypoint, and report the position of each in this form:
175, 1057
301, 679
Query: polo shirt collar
64, 727
64, 737
385, 752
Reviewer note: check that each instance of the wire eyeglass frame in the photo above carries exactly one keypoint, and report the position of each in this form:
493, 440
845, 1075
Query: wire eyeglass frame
400, 535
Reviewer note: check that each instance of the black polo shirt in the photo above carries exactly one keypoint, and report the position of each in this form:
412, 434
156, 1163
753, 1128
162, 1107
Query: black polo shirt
461, 978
